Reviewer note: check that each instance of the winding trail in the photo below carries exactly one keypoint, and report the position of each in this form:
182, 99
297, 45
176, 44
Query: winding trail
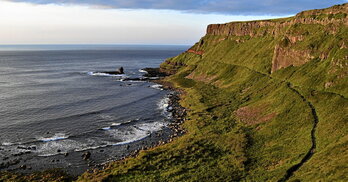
311, 151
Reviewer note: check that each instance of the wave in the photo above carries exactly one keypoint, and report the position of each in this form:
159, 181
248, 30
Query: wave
136, 132
107, 128
57, 136
91, 148
60, 143
163, 105
130, 141
118, 124
8, 144
132, 134
142, 71
113, 125
91, 73
157, 86
57, 147
113, 135
134, 81
153, 78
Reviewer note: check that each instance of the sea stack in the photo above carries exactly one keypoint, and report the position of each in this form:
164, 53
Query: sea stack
120, 70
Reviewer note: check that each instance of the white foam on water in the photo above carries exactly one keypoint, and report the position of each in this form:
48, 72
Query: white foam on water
136, 132
136, 81
52, 148
106, 74
153, 78
151, 127
142, 71
57, 136
106, 128
91, 148
118, 124
115, 124
163, 105
157, 86
7, 144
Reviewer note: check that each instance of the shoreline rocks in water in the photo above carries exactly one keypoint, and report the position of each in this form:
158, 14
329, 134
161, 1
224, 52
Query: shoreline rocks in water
154, 72
151, 74
118, 71
175, 126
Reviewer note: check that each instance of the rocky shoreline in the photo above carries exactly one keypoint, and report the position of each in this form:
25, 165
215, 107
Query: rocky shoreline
178, 114
88, 160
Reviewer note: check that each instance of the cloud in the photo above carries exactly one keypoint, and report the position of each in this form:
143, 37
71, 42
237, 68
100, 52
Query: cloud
231, 7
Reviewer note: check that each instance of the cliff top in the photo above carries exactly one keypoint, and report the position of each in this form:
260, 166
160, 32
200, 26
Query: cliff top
337, 13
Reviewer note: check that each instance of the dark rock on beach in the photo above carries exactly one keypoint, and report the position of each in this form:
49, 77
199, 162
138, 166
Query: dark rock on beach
86, 155
154, 72
23, 167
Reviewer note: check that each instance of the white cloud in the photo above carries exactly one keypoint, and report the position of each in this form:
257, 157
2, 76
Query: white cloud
24, 23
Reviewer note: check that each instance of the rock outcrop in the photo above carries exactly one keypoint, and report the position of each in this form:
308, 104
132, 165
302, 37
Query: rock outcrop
334, 15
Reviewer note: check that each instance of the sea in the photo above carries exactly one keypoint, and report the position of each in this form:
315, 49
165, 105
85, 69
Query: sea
55, 101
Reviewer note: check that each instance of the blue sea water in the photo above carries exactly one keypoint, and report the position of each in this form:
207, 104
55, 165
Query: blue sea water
52, 100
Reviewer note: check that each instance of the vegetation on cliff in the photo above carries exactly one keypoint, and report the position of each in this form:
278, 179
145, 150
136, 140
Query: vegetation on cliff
266, 100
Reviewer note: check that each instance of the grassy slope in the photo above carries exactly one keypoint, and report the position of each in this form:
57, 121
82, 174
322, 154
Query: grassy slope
220, 146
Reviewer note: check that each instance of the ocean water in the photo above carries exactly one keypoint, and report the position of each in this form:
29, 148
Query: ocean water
52, 101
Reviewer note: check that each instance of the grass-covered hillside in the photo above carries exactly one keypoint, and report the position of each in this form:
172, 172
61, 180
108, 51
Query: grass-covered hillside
266, 100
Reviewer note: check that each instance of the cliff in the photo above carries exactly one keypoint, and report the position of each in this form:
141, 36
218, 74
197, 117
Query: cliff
331, 18
334, 15
319, 35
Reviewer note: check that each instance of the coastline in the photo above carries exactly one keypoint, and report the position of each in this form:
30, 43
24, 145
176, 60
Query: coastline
119, 153
167, 135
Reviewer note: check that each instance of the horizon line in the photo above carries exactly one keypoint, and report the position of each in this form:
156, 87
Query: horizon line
106, 44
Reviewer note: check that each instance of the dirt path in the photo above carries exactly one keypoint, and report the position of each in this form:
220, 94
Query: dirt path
311, 151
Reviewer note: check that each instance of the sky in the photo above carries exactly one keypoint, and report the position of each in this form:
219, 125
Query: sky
132, 21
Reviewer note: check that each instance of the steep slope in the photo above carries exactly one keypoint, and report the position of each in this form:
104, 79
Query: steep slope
267, 101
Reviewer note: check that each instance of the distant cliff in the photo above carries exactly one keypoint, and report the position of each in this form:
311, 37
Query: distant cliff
294, 41
332, 18
335, 15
